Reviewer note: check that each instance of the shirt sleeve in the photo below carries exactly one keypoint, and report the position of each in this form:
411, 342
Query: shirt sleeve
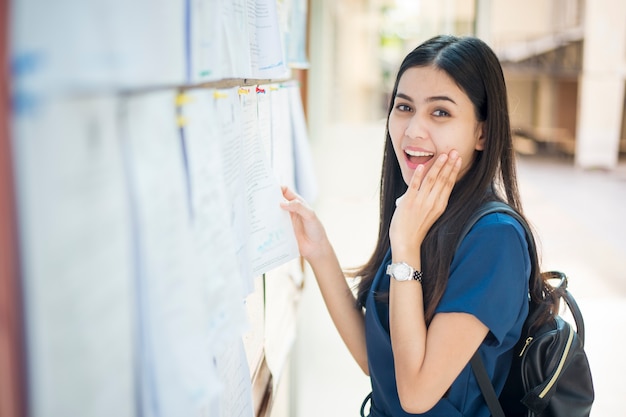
489, 275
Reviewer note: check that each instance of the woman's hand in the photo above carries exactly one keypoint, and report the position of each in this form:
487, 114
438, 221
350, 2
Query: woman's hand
424, 201
338, 297
309, 231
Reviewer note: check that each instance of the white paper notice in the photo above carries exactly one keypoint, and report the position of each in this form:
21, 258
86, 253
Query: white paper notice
229, 117
304, 172
76, 259
206, 41
296, 34
266, 52
177, 375
236, 46
264, 119
282, 138
263, 232
271, 241
254, 337
97, 45
282, 295
212, 231
236, 397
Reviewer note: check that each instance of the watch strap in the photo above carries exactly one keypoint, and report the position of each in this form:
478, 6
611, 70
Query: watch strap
417, 275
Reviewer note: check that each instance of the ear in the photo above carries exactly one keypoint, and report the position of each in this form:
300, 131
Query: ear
480, 137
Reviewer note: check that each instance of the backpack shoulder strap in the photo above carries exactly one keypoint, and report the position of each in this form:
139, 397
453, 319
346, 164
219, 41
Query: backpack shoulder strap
578, 317
485, 385
564, 294
478, 367
497, 207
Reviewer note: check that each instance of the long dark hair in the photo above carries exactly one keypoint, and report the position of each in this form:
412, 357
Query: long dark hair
492, 176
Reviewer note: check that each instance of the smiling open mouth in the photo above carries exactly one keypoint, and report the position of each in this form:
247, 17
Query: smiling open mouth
418, 157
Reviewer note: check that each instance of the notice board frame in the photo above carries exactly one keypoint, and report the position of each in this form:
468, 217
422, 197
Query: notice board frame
12, 346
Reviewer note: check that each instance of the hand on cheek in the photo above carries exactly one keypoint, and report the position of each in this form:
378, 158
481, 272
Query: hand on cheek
424, 202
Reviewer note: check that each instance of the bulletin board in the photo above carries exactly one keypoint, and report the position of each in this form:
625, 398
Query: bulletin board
149, 270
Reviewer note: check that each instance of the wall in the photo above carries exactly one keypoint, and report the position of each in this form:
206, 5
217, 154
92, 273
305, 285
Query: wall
601, 91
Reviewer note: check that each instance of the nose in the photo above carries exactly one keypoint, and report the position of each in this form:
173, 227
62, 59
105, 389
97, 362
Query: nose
415, 128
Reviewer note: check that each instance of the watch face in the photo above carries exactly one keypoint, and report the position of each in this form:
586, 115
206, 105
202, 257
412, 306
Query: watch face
401, 272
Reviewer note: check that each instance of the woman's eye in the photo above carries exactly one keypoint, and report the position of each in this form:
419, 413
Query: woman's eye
441, 113
403, 107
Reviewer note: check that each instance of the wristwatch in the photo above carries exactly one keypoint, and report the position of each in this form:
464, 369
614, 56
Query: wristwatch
401, 271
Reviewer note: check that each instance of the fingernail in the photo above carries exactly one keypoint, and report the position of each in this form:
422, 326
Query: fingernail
454, 155
443, 157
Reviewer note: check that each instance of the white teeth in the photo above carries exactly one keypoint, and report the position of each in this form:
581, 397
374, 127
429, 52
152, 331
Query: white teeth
416, 153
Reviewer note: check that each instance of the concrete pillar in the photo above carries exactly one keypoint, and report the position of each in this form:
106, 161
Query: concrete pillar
320, 77
356, 68
544, 114
483, 22
602, 84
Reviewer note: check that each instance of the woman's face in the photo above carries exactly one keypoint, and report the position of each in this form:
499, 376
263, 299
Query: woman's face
431, 116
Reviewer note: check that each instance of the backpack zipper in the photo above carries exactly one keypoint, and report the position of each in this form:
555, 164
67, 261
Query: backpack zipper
559, 368
528, 340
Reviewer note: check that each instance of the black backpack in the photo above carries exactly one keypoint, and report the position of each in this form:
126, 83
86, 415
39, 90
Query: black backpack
550, 374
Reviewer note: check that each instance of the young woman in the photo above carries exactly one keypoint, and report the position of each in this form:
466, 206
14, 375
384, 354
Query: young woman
423, 310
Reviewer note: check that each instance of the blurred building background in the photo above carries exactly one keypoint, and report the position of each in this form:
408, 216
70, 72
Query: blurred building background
564, 60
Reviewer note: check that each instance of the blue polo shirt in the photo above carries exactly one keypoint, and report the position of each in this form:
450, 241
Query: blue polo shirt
488, 279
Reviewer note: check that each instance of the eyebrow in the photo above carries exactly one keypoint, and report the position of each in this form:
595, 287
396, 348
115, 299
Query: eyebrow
428, 100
